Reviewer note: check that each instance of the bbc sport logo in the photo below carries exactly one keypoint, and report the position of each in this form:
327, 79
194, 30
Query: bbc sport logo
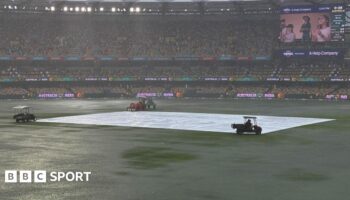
42, 176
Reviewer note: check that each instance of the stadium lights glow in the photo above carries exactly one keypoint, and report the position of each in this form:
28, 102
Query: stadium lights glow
53, 8
71, 9
15, 7
113, 9
83, 9
137, 9
89, 9
10, 7
77, 9
101, 9
65, 9
131, 9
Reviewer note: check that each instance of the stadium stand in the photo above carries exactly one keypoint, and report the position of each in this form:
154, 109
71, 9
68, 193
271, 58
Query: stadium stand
206, 47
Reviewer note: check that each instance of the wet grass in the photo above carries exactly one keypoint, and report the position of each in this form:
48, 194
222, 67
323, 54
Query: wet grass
122, 173
154, 157
302, 175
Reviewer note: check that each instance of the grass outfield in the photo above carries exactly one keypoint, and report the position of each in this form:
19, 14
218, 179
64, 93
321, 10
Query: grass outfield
309, 162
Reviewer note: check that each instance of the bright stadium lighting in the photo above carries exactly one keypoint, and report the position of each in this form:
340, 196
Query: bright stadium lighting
10, 7
137, 9
113, 9
89, 9
53, 8
102, 9
71, 9
5, 6
118, 9
77, 9
131, 9
65, 9
83, 9
15, 7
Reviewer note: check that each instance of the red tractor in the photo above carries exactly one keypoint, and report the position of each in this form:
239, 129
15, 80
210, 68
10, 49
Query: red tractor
143, 104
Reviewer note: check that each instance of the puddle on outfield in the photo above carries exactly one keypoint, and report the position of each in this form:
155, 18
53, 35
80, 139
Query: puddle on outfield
154, 157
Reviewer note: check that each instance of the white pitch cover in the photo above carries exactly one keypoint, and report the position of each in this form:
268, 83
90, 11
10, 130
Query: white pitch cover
220, 123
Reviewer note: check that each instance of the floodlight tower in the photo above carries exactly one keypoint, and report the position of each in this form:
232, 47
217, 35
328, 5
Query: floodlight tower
128, 6
201, 7
165, 8
59, 6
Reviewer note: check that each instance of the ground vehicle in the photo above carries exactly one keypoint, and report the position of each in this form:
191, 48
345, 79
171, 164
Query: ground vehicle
150, 105
145, 103
247, 126
23, 114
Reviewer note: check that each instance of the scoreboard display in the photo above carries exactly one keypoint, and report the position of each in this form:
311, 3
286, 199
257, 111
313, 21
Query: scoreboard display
338, 23
325, 23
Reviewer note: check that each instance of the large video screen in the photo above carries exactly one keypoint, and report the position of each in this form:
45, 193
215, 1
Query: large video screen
324, 23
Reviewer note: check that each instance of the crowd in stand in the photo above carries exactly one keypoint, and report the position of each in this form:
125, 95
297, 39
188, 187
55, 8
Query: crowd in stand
293, 72
13, 91
321, 72
226, 90
317, 91
131, 38
155, 37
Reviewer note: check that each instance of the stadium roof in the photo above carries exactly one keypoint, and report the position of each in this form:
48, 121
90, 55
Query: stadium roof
154, 7
174, 1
